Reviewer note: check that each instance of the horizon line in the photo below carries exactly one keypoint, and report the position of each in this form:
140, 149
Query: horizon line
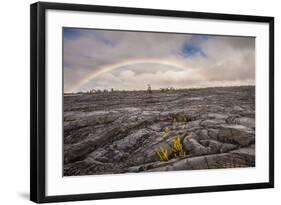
191, 88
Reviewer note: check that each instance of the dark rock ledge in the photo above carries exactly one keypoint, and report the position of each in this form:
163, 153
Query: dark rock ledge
119, 132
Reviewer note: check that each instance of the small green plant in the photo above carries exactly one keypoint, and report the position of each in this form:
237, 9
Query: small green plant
166, 130
163, 154
177, 148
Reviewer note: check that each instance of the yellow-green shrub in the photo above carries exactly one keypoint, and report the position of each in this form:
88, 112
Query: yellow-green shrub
163, 154
166, 130
177, 148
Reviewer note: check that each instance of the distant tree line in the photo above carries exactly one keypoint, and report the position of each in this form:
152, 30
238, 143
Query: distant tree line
111, 90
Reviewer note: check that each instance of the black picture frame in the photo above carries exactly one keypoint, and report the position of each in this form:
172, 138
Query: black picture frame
38, 100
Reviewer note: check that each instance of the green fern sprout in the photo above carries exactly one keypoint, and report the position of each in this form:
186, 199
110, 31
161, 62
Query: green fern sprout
177, 148
163, 154
166, 130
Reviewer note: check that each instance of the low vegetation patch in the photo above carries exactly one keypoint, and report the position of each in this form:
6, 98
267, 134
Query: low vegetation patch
177, 150
163, 154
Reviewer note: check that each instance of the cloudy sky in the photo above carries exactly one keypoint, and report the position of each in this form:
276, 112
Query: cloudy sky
104, 59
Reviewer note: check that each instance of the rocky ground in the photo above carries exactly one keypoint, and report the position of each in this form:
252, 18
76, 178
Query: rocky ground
137, 131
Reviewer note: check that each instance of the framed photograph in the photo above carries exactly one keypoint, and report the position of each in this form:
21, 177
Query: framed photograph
129, 102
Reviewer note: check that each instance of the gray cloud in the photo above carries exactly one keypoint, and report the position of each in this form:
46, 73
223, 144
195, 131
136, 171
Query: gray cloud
205, 60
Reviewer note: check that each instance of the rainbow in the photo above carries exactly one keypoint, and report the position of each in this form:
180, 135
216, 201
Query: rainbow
107, 68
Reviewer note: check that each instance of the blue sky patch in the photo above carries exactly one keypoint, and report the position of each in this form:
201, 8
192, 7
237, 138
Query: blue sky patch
71, 33
193, 46
189, 50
